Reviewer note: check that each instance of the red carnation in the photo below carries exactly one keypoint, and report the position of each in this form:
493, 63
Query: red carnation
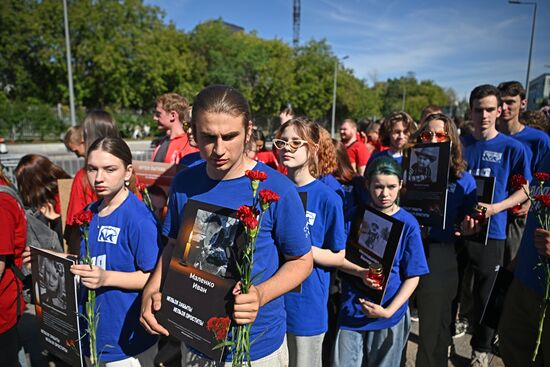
543, 199
83, 217
219, 326
141, 187
256, 175
518, 181
248, 216
268, 196
542, 176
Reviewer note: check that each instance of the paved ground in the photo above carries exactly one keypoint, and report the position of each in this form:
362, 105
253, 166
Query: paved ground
462, 347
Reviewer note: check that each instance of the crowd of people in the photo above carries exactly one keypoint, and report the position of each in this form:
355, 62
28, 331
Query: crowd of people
440, 274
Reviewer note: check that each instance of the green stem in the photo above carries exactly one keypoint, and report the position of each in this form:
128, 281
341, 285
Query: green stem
546, 299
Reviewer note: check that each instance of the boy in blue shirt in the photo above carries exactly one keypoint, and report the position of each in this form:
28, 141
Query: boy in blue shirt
221, 123
521, 314
489, 153
536, 143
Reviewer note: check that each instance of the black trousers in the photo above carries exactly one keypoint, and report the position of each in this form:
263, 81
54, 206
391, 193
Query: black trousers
434, 298
9, 347
485, 261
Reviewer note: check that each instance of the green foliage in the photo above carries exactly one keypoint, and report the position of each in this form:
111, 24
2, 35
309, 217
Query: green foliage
124, 55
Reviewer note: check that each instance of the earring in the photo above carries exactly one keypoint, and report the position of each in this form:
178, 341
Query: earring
126, 183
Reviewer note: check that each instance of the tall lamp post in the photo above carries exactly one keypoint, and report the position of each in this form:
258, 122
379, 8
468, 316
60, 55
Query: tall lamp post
532, 37
334, 94
69, 67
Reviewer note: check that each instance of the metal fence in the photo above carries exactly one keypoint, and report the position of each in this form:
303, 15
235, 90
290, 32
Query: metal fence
69, 163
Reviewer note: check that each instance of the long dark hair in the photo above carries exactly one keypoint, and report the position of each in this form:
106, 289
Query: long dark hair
37, 179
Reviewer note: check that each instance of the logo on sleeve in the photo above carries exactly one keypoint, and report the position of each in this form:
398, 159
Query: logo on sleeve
108, 234
494, 157
310, 217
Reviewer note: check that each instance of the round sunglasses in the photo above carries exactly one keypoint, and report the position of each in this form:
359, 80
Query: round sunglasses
427, 135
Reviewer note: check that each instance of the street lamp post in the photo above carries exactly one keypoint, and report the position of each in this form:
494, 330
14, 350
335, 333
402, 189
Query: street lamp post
532, 38
334, 94
69, 67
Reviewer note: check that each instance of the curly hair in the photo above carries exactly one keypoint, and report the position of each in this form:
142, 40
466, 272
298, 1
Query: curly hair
388, 124
37, 179
326, 154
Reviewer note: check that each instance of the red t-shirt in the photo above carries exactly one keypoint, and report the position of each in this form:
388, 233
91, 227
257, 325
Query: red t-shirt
82, 194
179, 147
358, 153
13, 238
268, 158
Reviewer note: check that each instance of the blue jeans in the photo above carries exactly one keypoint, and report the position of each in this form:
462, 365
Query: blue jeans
372, 348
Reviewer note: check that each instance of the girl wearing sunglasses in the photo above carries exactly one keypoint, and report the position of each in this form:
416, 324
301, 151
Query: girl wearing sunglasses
298, 142
436, 290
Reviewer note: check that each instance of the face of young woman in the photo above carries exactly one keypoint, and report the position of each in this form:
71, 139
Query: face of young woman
398, 137
384, 190
439, 135
221, 138
51, 277
293, 158
107, 173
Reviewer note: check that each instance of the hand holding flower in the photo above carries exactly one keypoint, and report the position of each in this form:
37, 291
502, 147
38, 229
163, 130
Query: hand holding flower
91, 277
542, 242
246, 305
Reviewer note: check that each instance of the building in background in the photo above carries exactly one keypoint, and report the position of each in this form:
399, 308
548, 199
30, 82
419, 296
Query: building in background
539, 90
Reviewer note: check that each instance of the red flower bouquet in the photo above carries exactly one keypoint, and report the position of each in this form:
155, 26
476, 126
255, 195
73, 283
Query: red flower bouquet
541, 209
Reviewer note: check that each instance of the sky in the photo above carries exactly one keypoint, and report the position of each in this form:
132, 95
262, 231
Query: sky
457, 44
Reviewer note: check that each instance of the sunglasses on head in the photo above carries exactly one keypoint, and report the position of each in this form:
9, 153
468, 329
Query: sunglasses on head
427, 135
290, 145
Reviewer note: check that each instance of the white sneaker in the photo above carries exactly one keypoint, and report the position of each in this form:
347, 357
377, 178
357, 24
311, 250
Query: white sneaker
479, 359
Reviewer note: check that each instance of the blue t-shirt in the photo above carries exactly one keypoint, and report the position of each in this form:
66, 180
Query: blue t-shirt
384, 153
501, 157
333, 183
190, 160
537, 142
461, 200
307, 312
527, 270
281, 233
410, 261
127, 241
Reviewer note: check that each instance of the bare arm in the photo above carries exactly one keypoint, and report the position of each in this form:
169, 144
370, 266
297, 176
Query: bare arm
151, 296
326, 257
352, 269
95, 277
516, 198
361, 170
374, 311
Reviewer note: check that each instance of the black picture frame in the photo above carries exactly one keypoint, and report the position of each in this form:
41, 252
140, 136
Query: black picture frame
485, 191
426, 178
56, 304
374, 238
193, 297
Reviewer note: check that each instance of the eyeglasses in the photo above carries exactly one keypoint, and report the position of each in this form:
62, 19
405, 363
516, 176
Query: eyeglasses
291, 145
427, 135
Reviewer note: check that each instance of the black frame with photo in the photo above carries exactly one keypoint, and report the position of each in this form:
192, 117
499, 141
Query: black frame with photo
426, 198
362, 254
193, 297
59, 319
485, 190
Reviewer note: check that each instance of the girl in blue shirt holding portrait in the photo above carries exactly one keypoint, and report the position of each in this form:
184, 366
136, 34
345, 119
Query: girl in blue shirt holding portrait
123, 244
370, 334
307, 313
